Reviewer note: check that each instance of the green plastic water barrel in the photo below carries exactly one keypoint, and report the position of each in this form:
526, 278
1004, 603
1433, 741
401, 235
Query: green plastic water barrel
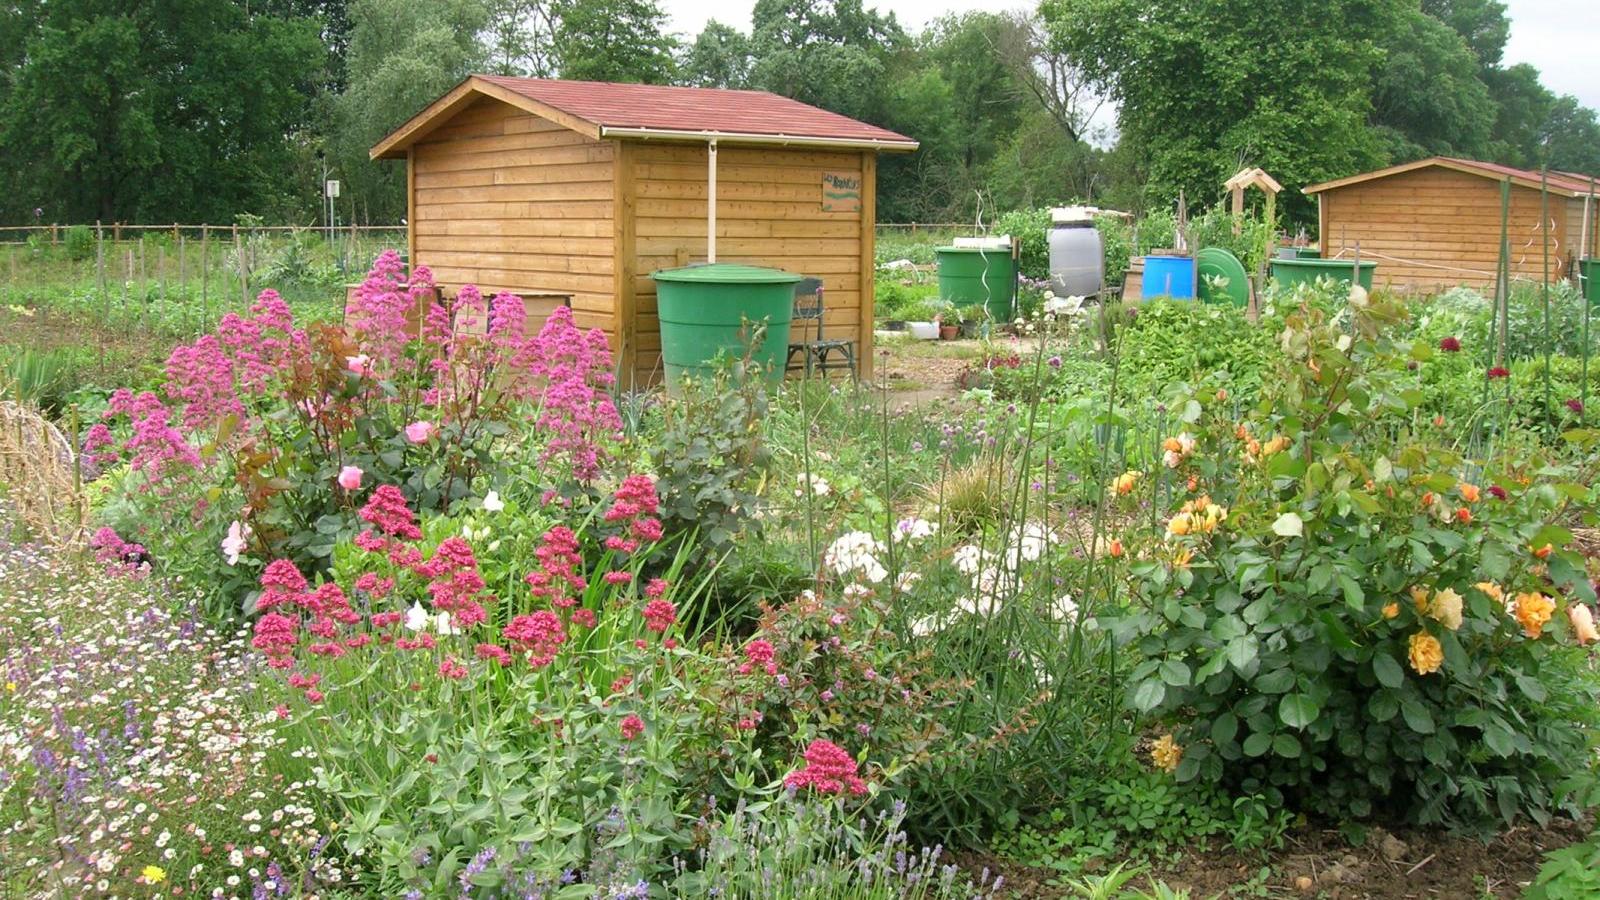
1589, 272
1290, 272
969, 276
711, 310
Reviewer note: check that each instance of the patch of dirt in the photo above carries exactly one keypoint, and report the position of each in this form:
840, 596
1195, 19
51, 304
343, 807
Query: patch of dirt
1320, 864
927, 371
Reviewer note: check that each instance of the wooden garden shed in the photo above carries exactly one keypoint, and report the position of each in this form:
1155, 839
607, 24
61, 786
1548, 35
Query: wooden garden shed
1435, 223
585, 188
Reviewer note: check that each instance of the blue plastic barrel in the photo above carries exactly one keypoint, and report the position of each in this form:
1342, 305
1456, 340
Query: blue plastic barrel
1168, 276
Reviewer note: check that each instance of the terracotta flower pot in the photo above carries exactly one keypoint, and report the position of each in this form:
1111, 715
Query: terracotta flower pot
949, 332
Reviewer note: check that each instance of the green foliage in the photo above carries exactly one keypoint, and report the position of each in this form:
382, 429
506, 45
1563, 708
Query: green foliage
709, 455
80, 242
1571, 873
614, 40
43, 378
1032, 228
1291, 652
154, 112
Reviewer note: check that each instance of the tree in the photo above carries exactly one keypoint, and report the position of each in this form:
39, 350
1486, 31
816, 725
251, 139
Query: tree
719, 57
1207, 86
403, 55
1038, 60
521, 37
1481, 23
1571, 137
158, 110
829, 53
614, 40
1427, 97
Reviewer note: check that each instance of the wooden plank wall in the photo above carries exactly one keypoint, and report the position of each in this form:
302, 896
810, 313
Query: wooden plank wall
509, 201
1434, 228
769, 213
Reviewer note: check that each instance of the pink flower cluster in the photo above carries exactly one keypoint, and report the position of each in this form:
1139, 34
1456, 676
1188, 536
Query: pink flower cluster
759, 654
577, 412
538, 634
557, 579
828, 769
154, 446
120, 557
634, 506
378, 313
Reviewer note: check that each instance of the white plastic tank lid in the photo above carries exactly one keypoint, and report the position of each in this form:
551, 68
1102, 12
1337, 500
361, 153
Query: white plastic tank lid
1000, 242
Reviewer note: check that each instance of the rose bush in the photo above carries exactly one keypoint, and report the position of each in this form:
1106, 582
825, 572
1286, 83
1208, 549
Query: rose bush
1367, 621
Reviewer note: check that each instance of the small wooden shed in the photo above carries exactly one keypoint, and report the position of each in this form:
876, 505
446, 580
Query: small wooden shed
585, 188
1435, 223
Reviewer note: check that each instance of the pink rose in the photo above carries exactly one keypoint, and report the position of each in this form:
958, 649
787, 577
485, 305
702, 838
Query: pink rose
420, 432
360, 365
350, 477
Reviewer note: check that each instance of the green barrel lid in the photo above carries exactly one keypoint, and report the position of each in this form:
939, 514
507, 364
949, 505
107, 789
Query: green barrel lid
727, 273
989, 250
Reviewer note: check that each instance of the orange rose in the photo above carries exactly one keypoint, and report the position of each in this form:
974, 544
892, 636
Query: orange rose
1427, 498
1541, 552
1116, 549
1469, 492
1391, 610
1464, 516
1426, 653
1533, 610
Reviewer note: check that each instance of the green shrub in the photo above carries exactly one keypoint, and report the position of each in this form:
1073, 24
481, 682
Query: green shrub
1337, 636
80, 242
1032, 228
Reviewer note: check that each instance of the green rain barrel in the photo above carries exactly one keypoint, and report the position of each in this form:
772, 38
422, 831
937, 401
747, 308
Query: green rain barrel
1589, 273
710, 310
969, 276
1290, 272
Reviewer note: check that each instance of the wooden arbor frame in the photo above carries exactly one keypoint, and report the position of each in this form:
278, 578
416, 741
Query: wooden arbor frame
1247, 178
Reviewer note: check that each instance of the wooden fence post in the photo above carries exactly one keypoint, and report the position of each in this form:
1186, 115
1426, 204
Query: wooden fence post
205, 275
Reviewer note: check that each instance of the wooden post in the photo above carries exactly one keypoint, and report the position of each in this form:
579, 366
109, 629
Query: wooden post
866, 280
53, 234
183, 269
161, 272
205, 275
127, 276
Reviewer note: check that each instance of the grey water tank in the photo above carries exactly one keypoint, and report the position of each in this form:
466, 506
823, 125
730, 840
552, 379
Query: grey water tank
1077, 258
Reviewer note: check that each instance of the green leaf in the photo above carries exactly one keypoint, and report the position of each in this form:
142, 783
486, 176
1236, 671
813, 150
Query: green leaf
1242, 652
1224, 729
1175, 672
1257, 744
1354, 596
1288, 525
1417, 717
1298, 710
1275, 681
1149, 694
1286, 746
1388, 671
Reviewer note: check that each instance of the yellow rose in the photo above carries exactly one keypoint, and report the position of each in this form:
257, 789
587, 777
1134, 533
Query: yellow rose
1391, 610
1124, 483
1492, 591
1166, 753
1533, 610
1426, 653
1180, 525
1276, 445
1446, 609
1419, 598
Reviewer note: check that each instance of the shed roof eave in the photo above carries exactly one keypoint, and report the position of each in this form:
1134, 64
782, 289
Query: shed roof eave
736, 137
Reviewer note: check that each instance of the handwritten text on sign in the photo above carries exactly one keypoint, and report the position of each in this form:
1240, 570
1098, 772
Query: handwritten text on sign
841, 192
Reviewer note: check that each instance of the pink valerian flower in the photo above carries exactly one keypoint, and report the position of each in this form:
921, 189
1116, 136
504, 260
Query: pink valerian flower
154, 446
557, 579
1450, 345
657, 587
99, 446
537, 634
455, 584
583, 616
759, 654
387, 510
615, 578
374, 587
828, 769
634, 506
576, 411
378, 312
350, 478
420, 432
200, 378
386, 619
493, 651
120, 557
314, 696
275, 637
632, 727
659, 615
281, 583
1499, 372
452, 669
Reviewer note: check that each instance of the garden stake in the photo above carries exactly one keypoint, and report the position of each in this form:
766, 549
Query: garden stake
1544, 286
205, 274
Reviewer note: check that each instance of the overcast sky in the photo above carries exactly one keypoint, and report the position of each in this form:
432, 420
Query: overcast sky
1560, 37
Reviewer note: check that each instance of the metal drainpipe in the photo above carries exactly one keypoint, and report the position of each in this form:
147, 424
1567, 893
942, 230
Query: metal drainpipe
711, 201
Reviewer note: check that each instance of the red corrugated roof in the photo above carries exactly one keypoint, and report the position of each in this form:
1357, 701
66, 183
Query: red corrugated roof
692, 109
